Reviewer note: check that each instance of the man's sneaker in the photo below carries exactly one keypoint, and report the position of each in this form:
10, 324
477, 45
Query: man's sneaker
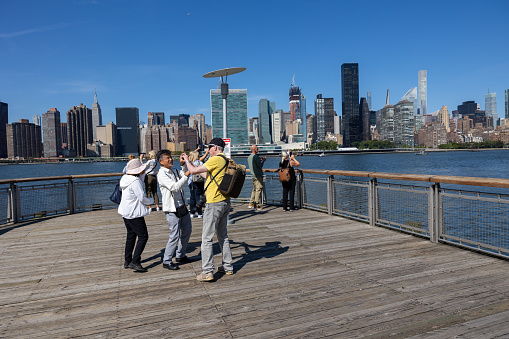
193, 215
205, 276
250, 206
221, 269
200, 216
183, 260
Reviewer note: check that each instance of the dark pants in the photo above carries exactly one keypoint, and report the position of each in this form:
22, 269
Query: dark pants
135, 228
289, 189
196, 189
151, 187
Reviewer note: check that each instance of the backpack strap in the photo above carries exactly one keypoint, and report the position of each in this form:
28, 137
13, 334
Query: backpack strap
214, 177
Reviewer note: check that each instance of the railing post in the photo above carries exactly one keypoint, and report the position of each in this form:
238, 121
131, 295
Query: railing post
71, 197
434, 212
372, 203
264, 193
298, 188
14, 204
330, 194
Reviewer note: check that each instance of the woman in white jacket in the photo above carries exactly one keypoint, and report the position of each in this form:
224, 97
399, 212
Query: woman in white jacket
171, 182
133, 208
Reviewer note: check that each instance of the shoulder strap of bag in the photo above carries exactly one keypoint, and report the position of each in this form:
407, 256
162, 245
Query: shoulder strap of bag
175, 175
214, 177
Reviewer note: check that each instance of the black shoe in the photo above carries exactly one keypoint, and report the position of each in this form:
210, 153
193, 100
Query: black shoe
171, 266
126, 264
183, 260
137, 267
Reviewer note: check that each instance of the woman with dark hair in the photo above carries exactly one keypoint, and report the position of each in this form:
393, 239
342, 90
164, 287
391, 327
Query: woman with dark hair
289, 161
133, 208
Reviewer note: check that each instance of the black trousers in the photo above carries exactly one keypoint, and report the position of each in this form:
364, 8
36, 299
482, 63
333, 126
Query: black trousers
289, 190
135, 228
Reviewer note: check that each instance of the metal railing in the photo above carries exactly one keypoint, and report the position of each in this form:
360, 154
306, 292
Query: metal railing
439, 208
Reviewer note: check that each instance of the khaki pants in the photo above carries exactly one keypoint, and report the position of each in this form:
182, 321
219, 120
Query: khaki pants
257, 191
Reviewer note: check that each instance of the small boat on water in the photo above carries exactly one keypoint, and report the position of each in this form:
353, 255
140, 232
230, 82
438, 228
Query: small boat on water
422, 153
321, 154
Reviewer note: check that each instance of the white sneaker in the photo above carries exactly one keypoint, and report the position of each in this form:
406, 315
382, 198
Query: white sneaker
158, 208
193, 215
200, 216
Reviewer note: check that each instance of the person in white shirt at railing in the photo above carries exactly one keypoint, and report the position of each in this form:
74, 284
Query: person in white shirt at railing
171, 182
151, 177
133, 208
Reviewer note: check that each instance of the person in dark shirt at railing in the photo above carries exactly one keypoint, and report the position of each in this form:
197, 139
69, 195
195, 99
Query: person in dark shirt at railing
288, 161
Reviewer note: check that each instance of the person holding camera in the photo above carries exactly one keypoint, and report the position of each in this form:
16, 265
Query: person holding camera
171, 183
255, 163
216, 210
196, 185
288, 161
151, 177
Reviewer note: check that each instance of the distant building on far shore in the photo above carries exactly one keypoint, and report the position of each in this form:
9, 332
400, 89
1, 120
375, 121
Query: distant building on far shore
52, 139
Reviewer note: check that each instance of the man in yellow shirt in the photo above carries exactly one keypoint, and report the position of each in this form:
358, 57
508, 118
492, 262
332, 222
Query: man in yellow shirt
216, 211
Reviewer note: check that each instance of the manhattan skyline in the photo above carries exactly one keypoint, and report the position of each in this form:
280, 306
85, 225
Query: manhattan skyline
152, 54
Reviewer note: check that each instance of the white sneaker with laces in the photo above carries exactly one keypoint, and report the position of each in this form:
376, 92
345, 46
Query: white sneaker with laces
193, 215
200, 216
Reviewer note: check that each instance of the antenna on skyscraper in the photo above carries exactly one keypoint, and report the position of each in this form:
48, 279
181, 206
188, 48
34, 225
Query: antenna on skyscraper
387, 98
293, 80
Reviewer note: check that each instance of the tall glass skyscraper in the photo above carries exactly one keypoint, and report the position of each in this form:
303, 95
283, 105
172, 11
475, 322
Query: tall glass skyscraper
265, 110
491, 107
411, 95
324, 115
128, 119
236, 115
507, 103
423, 92
352, 122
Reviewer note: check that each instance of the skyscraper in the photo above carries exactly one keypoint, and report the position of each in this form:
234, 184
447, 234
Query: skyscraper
79, 129
97, 118
52, 141
324, 114
411, 95
387, 123
352, 129
364, 114
491, 107
36, 120
4, 118
444, 118
127, 130
423, 92
297, 109
368, 98
276, 120
236, 115
404, 124
198, 121
265, 110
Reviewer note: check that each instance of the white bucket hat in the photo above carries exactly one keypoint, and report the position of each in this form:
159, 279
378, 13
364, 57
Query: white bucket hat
135, 166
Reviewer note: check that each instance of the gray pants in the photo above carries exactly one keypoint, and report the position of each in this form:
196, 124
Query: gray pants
180, 232
215, 220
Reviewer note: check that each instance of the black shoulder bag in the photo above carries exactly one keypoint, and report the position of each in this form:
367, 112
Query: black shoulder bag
181, 210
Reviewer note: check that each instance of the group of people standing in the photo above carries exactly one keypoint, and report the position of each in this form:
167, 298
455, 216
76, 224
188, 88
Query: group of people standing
135, 205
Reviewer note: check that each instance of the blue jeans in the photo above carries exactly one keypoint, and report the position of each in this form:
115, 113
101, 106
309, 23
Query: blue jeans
196, 189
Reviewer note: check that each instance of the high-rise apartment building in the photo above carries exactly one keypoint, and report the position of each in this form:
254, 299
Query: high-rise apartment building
352, 129
79, 129
127, 131
364, 114
404, 124
324, 114
387, 123
107, 134
311, 128
368, 98
411, 95
236, 115
155, 119
63, 134
491, 107
276, 122
265, 110
444, 118
23, 140
97, 118
423, 92
4, 119
52, 139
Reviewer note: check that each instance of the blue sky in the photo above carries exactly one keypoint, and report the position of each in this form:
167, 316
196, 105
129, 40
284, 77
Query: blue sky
151, 54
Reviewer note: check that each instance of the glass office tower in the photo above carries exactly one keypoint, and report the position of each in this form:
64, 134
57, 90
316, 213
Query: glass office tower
127, 131
507, 103
423, 92
236, 115
4, 117
265, 110
352, 129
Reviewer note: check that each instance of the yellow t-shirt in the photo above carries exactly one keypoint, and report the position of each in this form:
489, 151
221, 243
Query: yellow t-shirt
214, 165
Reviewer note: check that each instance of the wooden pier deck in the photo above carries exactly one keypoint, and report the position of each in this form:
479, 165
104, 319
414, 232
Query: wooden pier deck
301, 274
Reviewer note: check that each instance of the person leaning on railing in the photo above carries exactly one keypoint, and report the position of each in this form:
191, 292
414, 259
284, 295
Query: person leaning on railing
133, 208
288, 161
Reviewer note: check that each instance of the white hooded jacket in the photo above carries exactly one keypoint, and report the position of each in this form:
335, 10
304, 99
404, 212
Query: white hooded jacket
134, 201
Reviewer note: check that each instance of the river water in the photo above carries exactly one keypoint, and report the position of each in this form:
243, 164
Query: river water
487, 164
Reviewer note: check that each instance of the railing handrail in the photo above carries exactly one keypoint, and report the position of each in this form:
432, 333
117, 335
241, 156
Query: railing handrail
442, 179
